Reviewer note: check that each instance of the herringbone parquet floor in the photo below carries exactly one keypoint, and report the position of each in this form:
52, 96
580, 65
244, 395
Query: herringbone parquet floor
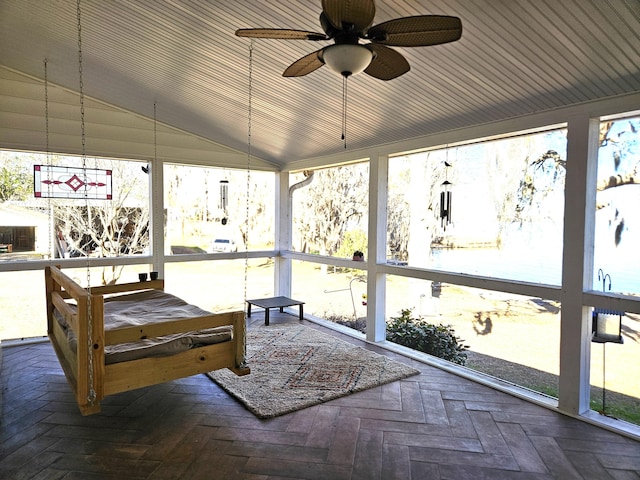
431, 426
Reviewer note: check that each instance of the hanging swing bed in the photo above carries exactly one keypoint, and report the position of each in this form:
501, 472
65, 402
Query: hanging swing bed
114, 338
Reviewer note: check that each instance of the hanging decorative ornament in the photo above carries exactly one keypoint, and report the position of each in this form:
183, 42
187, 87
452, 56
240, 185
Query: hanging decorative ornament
51, 181
224, 200
224, 194
445, 204
445, 196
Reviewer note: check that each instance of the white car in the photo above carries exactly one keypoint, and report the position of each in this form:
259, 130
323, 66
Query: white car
223, 245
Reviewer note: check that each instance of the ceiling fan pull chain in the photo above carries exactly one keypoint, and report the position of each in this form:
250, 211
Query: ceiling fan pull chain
344, 110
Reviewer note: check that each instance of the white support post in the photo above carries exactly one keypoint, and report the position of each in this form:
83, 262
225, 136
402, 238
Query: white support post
577, 263
283, 229
377, 245
156, 215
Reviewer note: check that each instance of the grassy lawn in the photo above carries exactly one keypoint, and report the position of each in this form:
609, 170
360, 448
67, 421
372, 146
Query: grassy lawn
618, 405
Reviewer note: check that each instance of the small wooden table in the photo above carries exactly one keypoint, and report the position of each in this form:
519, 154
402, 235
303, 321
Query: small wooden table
273, 302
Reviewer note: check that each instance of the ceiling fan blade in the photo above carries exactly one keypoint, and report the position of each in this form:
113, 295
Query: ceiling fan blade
358, 13
418, 31
305, 65
387, 64
280, 34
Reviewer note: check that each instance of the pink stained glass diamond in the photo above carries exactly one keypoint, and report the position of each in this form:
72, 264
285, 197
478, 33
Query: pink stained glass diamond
75, 183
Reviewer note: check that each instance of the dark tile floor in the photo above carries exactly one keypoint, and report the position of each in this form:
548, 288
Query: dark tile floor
432, 426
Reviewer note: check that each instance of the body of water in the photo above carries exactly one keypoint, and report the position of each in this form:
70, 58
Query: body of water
535, 266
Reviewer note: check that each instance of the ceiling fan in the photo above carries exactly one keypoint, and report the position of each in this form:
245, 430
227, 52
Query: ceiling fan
348, 21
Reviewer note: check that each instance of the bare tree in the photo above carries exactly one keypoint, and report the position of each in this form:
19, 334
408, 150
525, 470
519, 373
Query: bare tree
333, 203
397, 208
250, 216
543, 173
427, 172
107, 228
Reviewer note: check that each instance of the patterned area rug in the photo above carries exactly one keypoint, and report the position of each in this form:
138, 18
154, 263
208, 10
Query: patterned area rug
294, 367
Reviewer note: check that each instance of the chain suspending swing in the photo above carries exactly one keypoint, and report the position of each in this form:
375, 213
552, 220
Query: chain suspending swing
91, 397
246, 224
50, 251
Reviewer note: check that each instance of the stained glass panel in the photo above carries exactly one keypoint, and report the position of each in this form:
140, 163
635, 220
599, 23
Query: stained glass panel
71, 182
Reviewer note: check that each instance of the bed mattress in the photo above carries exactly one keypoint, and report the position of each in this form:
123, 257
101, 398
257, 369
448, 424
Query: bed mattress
150, 307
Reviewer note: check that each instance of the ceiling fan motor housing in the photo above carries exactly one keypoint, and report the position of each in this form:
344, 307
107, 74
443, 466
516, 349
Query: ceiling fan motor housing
347, 58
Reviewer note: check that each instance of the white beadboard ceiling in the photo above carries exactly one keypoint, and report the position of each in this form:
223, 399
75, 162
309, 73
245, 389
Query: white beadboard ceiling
515, 57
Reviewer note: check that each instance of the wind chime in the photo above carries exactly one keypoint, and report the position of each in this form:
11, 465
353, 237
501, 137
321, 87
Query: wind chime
223, 204
445, 196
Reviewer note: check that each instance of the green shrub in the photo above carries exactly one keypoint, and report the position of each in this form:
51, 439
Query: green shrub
437, 340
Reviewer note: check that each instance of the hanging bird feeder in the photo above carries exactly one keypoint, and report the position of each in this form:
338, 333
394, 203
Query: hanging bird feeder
606, 326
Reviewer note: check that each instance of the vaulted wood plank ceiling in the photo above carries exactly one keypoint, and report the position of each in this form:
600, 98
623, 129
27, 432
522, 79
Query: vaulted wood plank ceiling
515, 57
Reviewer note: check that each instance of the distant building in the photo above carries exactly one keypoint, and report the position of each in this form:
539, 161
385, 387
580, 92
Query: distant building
23, 229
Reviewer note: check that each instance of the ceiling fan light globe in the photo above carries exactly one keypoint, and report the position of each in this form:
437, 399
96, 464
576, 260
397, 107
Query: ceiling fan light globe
347, 59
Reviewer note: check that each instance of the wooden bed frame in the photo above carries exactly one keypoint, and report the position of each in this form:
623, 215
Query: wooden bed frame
87, 375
